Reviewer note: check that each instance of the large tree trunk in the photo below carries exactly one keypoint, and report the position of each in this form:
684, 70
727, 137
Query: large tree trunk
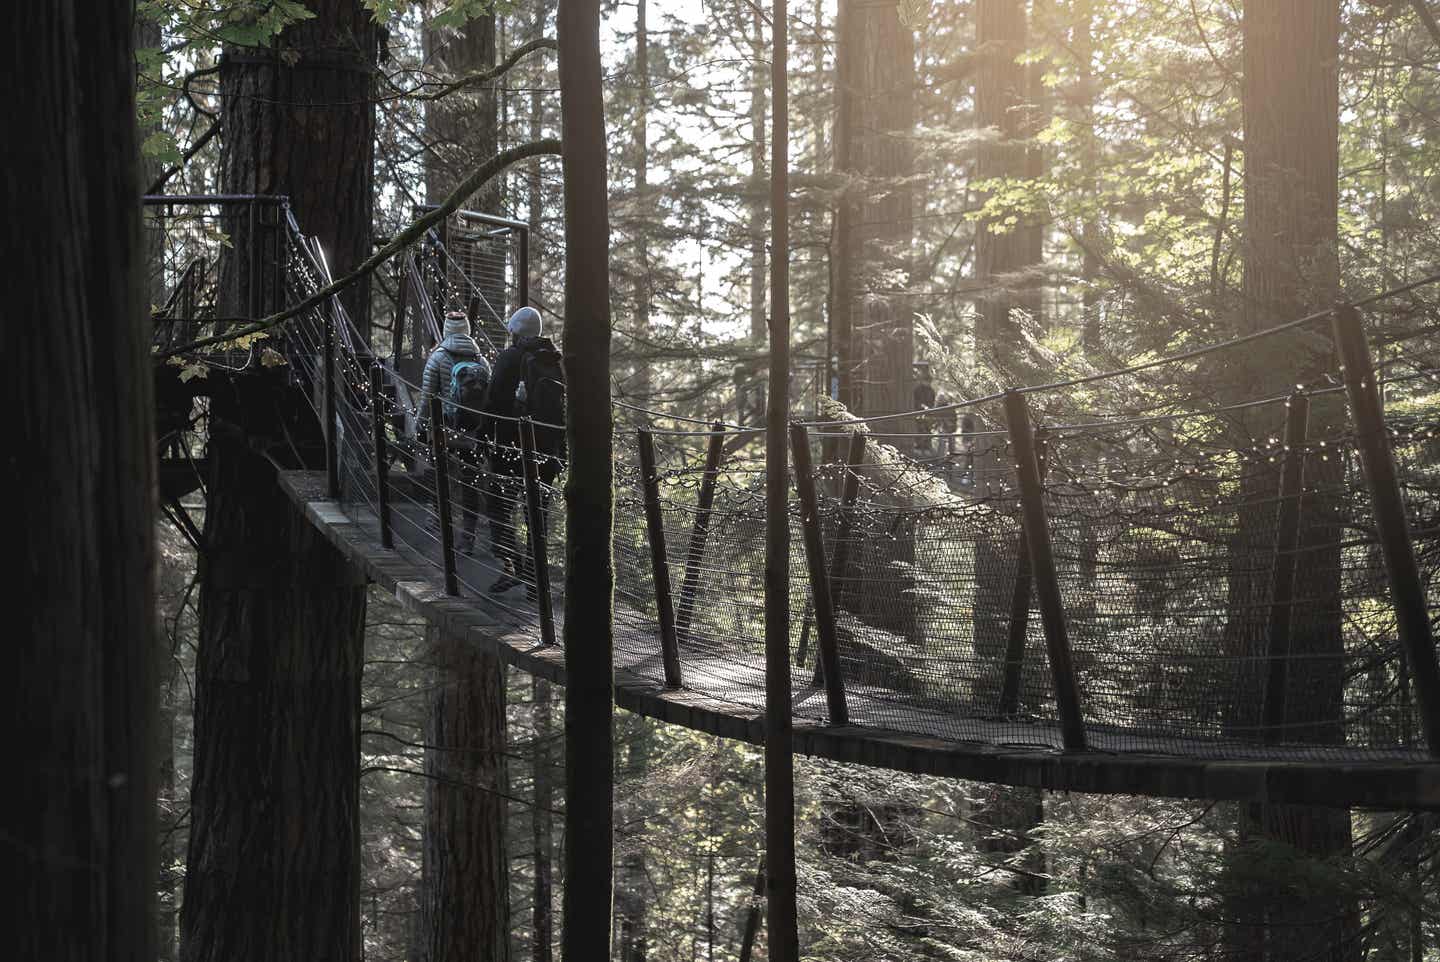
299, 119
465, 893
272, 870
273, 865
873, 330
79, 813
1291, 109
464, 888
1001, 84
1002, 259
589, 493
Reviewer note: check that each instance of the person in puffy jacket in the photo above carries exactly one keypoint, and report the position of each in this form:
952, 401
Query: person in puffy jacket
502, 405
457, 345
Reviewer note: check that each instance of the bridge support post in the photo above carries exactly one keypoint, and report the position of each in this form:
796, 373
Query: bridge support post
825, 633
1282, 582
700, 533
382, 455
659, 565
535, 521
442, 495
1042, 565
1019, 614
332, 437
1406, 591
849, 493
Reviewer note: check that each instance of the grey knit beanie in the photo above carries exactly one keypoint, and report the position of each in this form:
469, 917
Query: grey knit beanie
456, 323
525, 323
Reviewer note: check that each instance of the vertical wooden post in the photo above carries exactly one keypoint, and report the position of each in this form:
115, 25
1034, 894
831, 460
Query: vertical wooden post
659, 564
382, 456
442, 495
535, 521
332, 437
1406, 591
1042, 564
522, 269
695, 556
849, 492
1287, 542
1019, 615
827, 642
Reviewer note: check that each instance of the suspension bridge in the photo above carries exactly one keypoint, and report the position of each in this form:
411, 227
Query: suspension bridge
1215, 598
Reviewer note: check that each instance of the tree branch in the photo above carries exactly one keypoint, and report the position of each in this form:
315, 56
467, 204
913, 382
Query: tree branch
185, 158
542, 43
483, 174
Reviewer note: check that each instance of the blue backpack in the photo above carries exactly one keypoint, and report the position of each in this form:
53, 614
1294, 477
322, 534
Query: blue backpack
469, 380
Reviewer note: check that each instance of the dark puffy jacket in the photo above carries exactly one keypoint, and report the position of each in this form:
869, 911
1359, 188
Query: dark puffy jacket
505, 378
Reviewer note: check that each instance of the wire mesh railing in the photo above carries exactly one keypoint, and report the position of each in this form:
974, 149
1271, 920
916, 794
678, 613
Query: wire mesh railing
1226, 587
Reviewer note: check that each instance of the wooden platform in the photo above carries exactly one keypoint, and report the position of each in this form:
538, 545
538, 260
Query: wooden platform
731, 705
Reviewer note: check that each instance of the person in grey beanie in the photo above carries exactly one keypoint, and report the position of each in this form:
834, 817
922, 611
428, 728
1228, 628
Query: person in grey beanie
527, 381
456, 344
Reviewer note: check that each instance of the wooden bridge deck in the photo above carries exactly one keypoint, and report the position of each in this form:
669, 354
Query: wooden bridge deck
1006, 752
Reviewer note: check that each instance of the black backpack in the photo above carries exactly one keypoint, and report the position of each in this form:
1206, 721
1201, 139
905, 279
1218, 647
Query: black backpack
544, 378
469, 380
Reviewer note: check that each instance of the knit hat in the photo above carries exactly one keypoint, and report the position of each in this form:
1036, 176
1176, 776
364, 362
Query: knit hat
456, 323
524, 323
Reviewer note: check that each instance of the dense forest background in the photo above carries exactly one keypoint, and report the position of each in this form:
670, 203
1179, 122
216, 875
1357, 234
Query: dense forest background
984, 193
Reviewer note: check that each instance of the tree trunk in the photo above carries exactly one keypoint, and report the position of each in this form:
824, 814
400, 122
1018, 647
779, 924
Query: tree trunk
589, 493
273, 869
465, 891
643, 281
1002, 259
874, 330
273, 863
80, 813
299, 119
1291, 109
542, 918
464, 887
758, 87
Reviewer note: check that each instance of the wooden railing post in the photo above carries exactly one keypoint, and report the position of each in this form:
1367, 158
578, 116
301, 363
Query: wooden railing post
1282, 582
1042, 565
1019, 614
382, 454
535, 521
825, 634
659, 565
849, 492
332, 438
1406, 590
695, 556
442, 495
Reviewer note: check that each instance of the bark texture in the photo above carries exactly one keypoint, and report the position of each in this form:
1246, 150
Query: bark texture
1003, 261
874, 332
589, 493
1291, 115
79, 695
299, 119
465, 893
273, 863
273, 870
